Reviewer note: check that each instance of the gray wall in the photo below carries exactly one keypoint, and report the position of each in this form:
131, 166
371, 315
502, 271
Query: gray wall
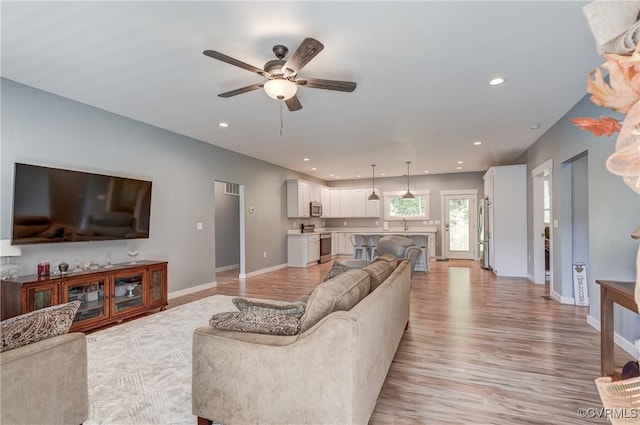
613, 211
227, 227
44, 129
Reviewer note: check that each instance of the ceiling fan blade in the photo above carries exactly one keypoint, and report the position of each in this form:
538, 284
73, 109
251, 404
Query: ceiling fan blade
235, 62
293, 103
316, 83
241, 90
306, 51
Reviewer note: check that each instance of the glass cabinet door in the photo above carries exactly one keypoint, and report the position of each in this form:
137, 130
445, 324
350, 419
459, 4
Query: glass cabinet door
128, 291
41, 296
157, 283
90, 292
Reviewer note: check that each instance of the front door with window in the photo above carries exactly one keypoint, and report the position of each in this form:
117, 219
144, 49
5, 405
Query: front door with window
459, 226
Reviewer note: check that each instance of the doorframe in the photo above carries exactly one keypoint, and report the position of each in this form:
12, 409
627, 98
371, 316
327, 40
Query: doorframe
473, 220
539, 174
242, 232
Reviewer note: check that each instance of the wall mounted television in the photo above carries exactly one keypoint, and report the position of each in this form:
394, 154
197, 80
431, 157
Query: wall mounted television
56, 205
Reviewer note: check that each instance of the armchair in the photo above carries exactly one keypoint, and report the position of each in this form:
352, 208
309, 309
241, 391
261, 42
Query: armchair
46, 382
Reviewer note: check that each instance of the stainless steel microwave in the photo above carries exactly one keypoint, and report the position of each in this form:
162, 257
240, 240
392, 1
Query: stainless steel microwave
316, 209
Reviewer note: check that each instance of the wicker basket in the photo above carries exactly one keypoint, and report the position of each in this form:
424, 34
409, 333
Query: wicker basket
622, 398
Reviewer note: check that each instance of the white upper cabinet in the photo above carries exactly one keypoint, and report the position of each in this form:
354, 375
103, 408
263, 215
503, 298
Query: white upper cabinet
314, 193
372, 207
298, 199
334, 208
325, 200
336, 202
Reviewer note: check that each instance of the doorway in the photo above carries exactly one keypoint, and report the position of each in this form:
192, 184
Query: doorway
543, 224
459, 218
229, 230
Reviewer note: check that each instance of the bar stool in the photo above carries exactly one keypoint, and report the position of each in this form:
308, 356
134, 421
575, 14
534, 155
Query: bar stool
373, 246
360, 247
422, 241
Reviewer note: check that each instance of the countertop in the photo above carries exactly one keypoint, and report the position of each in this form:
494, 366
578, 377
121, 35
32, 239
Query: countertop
369, 231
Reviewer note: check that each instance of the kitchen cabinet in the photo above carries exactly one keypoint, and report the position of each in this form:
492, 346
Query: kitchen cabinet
353, 203
334, 196
107, 295
314, 193
303, 250
336, 202
325, 200
334, 244
506, 188
298, 203
372, 208
345, 247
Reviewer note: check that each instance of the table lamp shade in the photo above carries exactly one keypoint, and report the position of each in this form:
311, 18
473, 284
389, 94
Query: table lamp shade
8, 250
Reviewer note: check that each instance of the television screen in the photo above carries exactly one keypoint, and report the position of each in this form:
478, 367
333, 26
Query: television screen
55, 205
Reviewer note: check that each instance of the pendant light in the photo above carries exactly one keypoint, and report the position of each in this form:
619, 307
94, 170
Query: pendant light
408, 195
373, 196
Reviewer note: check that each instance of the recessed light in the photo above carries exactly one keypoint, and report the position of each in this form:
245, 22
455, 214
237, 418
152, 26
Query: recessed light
426, 171
460, 162
337, 177
306, 159
314, 169
458, 168
223, 124
383, 174
496, 81
330, 175
358, 175
478, 143
534, 126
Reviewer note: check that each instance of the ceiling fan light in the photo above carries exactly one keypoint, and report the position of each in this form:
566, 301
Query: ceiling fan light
280, 89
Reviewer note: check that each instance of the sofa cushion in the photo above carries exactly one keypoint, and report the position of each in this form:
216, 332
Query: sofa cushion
338, 294
356, 263
274, 308
378, 272
256, 322
389, 258
37, 325
336, 269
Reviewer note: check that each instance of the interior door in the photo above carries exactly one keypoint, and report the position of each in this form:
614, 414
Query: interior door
459, 226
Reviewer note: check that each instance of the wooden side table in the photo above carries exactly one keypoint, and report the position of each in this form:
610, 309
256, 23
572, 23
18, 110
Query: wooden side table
611, 292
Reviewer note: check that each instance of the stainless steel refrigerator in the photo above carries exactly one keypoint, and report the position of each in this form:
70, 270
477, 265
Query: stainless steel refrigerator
483, 233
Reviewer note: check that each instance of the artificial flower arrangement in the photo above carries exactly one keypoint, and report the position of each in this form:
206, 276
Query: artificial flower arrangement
621, 94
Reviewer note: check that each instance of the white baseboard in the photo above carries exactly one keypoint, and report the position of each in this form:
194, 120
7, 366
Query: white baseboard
530, 277
561, 299
627, 346
261, 271
225, 268
188, 291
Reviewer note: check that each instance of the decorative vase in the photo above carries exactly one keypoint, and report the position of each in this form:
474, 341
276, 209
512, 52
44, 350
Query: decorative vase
63, 267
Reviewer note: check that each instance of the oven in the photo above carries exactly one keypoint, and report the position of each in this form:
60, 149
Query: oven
325, 247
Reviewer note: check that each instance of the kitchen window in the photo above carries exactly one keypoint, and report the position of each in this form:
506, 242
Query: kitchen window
398, 208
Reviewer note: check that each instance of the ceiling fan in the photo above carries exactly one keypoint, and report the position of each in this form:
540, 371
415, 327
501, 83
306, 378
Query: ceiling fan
282, 82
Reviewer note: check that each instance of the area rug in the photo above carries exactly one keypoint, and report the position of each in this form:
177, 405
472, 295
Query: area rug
140, 371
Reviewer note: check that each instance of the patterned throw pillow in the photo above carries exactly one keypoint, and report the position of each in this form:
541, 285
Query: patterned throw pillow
246, 321
274, 308
336, 270
37, 325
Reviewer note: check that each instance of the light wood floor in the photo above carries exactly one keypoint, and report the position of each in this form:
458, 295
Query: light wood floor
479, 349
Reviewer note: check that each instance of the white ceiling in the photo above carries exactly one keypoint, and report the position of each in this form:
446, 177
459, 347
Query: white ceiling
422, 70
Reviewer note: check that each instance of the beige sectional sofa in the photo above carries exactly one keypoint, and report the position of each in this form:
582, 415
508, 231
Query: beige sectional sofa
330, 373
